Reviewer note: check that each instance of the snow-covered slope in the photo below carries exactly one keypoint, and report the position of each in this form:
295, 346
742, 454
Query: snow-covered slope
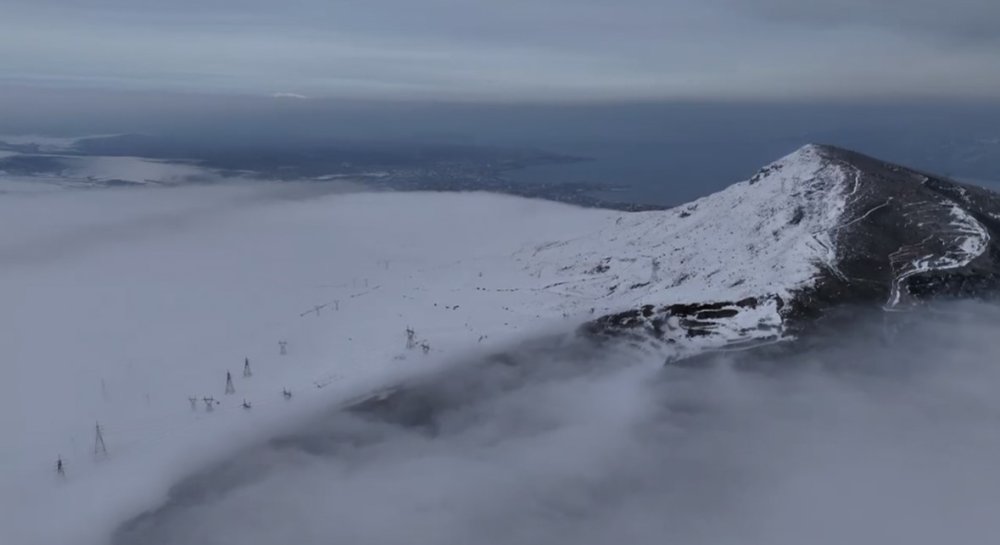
768, 237
769, 234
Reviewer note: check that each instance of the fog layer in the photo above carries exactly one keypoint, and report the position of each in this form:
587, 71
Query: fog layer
887, 433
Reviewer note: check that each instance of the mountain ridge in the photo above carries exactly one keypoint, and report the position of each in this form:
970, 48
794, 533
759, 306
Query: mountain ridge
815, 230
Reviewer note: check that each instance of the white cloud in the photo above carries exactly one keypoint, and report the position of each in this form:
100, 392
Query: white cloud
858, 442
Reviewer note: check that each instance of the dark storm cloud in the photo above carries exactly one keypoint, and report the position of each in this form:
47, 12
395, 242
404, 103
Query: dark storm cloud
510, 49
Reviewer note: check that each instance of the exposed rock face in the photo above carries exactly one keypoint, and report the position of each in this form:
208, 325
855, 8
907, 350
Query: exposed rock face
906, 236
820, 228
685, 329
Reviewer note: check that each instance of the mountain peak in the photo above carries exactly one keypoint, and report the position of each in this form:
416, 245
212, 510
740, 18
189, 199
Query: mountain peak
809, 151
800, 164
819, 227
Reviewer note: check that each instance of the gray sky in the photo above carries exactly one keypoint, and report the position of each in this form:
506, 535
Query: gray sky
511, 49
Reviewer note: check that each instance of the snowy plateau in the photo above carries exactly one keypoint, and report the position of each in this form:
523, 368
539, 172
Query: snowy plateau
123, 309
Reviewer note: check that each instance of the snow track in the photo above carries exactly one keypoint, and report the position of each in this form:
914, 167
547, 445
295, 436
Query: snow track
950, 246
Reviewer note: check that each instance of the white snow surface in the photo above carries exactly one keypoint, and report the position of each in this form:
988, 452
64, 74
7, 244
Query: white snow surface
974, 239
750, 327
770, 235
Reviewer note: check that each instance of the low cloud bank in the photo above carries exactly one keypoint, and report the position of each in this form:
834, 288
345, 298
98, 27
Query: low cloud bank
887, 433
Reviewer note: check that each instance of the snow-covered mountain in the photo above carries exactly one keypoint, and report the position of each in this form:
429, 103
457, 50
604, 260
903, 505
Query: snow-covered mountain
820, 230
757, 261
121, 306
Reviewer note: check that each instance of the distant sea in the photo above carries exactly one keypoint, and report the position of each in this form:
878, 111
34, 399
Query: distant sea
665, 174
668, 174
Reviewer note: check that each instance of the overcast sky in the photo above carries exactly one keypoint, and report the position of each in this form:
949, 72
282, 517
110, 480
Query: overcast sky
511, 49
